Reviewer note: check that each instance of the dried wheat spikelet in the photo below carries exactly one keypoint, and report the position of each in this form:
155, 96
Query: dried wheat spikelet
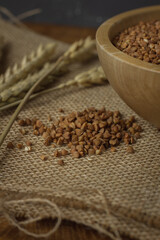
94, 76
28, 64
22, 86
79, 51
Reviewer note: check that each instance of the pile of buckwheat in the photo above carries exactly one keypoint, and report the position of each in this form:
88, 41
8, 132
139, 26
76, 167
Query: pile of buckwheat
141, 41
88, 132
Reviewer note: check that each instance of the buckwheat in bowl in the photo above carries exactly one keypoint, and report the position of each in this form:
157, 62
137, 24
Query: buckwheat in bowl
129, 51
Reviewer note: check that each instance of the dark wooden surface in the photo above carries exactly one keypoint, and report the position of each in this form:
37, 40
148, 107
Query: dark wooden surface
62, 33
68, 230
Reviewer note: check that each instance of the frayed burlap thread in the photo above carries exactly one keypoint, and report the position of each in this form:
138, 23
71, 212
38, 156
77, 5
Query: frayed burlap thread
128, 183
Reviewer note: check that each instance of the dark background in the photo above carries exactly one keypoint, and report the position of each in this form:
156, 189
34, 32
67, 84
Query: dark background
89, 13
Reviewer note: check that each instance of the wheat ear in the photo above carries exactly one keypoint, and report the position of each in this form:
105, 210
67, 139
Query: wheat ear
28, 64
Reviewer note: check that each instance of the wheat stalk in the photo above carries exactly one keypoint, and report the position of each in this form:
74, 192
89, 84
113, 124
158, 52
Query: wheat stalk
78, 52
94, 76
28, 64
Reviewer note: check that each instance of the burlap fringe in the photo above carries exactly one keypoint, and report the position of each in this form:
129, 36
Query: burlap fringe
7, 209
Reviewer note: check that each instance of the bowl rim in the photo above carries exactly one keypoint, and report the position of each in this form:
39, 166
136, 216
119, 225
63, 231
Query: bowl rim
107, 46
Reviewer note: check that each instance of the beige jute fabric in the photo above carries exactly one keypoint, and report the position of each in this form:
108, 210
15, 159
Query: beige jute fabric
114, 192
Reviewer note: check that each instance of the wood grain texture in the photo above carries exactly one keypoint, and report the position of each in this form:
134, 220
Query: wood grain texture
68, 230
137, 82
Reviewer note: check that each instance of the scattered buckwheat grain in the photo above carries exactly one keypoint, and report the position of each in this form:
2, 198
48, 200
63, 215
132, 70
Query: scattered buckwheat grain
28, 143
130, 149
10, 145
23, 131
60, 162
89, 132
19, 145
44, 157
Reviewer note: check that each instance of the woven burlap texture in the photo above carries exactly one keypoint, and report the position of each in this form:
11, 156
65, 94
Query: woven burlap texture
128, 183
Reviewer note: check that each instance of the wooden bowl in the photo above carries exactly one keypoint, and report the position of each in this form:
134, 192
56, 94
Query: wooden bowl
137, 82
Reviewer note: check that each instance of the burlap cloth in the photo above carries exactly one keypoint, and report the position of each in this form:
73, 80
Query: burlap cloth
113, 189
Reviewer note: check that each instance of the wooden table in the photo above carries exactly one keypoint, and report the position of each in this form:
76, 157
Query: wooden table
68, 230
